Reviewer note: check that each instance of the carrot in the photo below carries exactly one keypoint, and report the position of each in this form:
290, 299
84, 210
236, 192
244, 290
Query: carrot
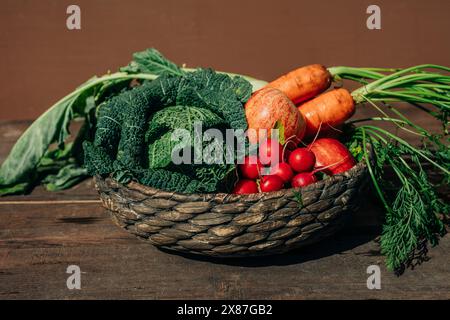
303, 83
327, 111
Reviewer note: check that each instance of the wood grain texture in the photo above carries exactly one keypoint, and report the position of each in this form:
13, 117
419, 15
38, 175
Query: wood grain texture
40, 239
38, 243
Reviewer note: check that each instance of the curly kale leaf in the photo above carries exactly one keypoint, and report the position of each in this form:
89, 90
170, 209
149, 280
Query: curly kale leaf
242, 88
182, 117
109, 125
96, 159
217, 92
215, 172
131, 145
173, 118
151, 61
168, 180
160, 151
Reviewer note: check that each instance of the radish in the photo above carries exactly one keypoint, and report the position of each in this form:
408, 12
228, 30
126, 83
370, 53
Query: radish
270, 152
250, 169
332, 157
270, 183
245, 186
303, 179
302, 160
282, 170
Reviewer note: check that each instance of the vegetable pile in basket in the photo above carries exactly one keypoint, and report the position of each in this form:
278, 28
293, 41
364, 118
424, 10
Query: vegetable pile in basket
128, 118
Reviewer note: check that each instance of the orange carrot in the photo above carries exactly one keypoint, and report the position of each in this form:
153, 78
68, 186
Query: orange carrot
303, 83
327, 111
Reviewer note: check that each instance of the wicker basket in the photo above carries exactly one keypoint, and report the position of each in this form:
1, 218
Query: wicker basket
227, 225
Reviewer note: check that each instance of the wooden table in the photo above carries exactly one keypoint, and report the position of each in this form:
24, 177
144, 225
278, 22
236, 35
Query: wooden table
41, 234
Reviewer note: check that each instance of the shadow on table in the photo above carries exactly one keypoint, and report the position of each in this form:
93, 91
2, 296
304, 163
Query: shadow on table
346, 239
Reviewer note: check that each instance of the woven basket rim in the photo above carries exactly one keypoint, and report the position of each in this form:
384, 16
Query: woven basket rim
133, 185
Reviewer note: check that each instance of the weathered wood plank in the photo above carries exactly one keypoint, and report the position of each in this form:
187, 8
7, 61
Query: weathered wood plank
83, 191
37, 243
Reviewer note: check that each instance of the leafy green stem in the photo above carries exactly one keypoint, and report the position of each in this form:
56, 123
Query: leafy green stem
410, 147
371, 171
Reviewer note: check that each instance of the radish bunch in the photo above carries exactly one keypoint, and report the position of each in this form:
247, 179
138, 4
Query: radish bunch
275, 167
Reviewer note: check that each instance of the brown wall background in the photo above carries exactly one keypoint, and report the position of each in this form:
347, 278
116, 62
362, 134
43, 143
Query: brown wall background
41, 61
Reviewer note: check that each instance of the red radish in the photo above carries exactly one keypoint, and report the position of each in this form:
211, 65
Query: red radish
303, 179
250, 169
268, 106
282, 170
302, 160
245, 186
332, 157
270, 183
270, 152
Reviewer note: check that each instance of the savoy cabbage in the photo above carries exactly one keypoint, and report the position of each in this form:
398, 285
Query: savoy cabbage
134, 129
